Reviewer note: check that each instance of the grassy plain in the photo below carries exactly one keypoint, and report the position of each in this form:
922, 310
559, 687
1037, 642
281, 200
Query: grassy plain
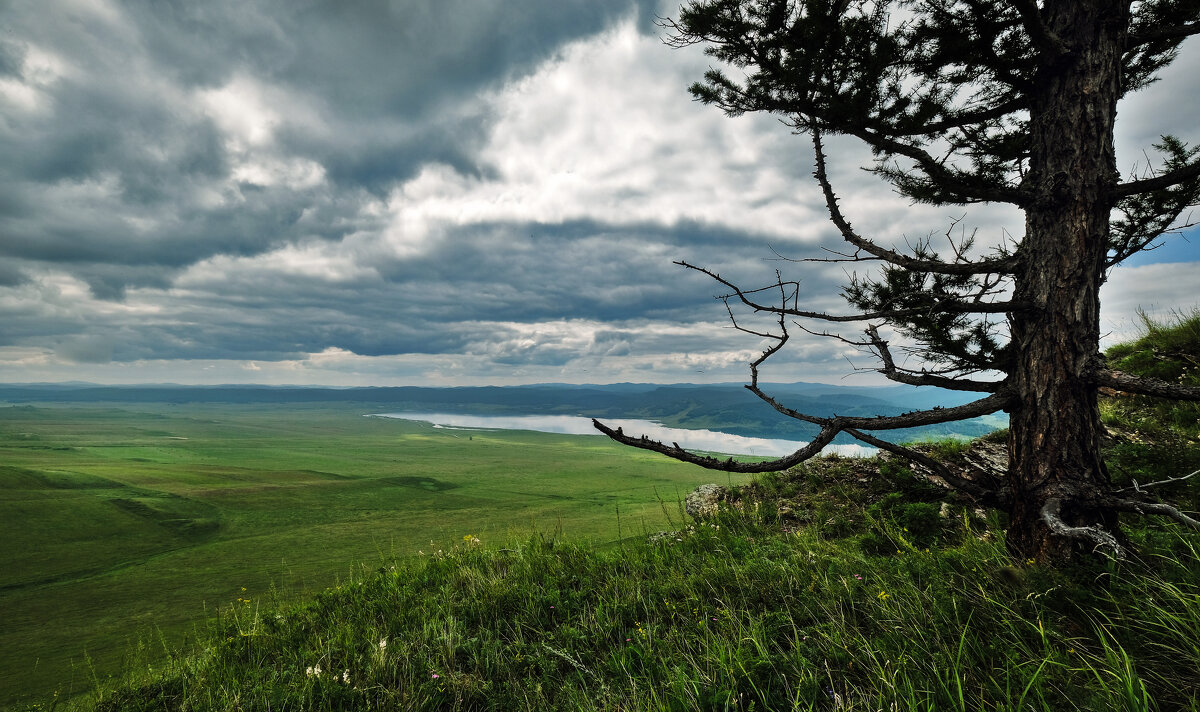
134, 523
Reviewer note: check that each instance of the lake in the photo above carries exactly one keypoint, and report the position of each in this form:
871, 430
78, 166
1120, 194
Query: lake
706, 440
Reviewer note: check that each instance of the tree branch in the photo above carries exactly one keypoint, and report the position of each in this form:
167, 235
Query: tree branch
1159, 508
729, 465
893, 373
966, 187
895, 258
983, 406
1139, 488
1042, 37
1121, 381
984, 495
1103, 540
1166, 180
1158, 34
948, 306
966, 118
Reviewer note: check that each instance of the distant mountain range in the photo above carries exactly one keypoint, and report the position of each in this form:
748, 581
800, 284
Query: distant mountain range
726, 407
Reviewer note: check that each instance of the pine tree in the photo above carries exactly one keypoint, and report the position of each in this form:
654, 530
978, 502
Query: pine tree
966, 102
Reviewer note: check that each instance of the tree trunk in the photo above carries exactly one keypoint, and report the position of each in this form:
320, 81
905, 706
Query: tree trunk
1055, 429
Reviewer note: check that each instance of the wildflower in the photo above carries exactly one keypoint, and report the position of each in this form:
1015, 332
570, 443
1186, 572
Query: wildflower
857, 576
312, 671
882, 595
435, 676
382, 644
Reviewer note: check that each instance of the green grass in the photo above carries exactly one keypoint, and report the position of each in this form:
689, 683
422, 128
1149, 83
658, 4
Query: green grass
728, 615
840, 585
1158, 438
820, 589
124, 524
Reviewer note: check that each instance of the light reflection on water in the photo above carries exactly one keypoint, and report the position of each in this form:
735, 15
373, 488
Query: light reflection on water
707, 440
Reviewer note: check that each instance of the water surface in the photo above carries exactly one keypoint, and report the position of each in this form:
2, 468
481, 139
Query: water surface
706, 440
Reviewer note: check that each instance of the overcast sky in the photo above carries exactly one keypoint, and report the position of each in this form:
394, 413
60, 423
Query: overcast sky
447, 192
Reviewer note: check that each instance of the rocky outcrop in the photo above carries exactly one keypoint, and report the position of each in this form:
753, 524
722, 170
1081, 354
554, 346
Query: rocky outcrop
704, 500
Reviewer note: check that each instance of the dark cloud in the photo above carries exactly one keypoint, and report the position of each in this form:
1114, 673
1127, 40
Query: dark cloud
110, 169
11, 276
272, 179
12, 57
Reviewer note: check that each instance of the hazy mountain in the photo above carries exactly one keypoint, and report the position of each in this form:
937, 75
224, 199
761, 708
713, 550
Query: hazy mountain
726, 407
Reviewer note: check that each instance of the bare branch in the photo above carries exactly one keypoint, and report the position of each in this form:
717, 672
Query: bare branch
1104, 541
1166, 180
830, 427
1138, 488
849, 235
729, 465
950, 306
1159, 508
983, 406
984, 495
1121, 381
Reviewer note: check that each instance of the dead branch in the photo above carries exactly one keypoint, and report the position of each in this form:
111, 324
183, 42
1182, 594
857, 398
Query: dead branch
728, 465
948, 306
1159, 508
1139, 488
1103, 540
989, 404
1006, 265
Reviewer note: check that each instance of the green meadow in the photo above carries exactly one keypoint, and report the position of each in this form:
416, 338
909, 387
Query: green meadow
129, 525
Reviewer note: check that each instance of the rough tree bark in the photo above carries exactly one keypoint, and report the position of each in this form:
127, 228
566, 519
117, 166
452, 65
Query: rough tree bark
1055, 430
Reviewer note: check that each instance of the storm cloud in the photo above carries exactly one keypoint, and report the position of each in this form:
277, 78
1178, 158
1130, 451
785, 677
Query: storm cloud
464, 191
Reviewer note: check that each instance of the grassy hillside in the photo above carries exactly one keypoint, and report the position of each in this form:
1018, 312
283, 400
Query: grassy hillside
839, 585
880, 601
134, 523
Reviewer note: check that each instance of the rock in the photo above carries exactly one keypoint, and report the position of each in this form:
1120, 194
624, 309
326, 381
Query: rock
703, 501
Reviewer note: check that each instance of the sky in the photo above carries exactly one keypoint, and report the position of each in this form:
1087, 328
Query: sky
460, 192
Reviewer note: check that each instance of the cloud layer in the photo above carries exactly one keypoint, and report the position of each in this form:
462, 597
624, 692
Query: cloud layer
459, 192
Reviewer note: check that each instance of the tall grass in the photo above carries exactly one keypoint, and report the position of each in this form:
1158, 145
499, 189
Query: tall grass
730, 614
